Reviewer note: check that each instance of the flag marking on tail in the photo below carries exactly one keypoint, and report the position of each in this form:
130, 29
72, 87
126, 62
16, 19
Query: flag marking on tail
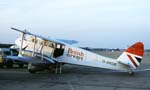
132, 61
138, 59
133, 55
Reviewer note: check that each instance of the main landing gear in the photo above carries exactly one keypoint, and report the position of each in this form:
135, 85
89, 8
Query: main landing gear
58, 69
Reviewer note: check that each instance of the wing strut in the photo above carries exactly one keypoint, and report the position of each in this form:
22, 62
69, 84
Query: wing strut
33, 53
42, 49
22, 37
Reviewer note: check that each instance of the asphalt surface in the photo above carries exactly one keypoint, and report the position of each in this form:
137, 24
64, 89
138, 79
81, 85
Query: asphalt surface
76, 78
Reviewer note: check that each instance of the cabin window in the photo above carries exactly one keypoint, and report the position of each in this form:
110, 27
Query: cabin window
46, 43
51, 44
58, 46
63, 47
34, 40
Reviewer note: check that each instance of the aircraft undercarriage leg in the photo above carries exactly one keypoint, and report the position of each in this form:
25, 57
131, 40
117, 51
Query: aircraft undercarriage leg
58, 68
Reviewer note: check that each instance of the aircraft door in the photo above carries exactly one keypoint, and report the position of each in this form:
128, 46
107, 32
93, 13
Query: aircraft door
59, 50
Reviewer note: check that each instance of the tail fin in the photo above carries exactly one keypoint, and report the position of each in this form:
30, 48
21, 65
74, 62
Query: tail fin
133, 55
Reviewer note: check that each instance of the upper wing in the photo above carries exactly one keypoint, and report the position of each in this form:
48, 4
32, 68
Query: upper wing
68, 41
44, 38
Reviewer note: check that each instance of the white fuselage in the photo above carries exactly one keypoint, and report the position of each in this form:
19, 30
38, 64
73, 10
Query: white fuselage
74, 55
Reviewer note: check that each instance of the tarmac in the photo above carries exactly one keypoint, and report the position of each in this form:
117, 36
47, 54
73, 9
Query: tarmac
78, 78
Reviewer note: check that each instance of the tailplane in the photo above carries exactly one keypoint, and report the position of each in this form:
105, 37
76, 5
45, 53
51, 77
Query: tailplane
133, 55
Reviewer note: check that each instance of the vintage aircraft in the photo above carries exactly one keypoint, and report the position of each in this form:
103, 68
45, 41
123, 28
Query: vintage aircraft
43, 53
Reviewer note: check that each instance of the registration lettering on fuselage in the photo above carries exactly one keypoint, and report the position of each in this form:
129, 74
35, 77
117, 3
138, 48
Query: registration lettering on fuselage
109, 62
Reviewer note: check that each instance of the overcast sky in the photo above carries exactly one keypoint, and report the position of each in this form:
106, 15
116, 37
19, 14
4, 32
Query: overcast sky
94, 23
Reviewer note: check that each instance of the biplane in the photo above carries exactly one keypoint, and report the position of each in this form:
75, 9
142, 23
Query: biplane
50, 53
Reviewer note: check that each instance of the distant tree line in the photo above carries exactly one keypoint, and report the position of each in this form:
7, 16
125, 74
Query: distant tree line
106, 49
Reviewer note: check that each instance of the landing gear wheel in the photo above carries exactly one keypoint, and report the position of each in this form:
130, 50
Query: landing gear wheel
32, 71
21, 65
1, 66
131, 73
9, 64
31, 68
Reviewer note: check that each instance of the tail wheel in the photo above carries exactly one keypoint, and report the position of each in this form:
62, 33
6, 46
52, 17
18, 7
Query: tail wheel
31, 71
131, 72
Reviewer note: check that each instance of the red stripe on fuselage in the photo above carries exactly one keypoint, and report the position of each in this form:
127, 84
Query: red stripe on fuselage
132, 61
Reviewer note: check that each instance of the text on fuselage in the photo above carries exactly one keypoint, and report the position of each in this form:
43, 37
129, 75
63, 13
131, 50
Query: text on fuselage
75, 54
109, 62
